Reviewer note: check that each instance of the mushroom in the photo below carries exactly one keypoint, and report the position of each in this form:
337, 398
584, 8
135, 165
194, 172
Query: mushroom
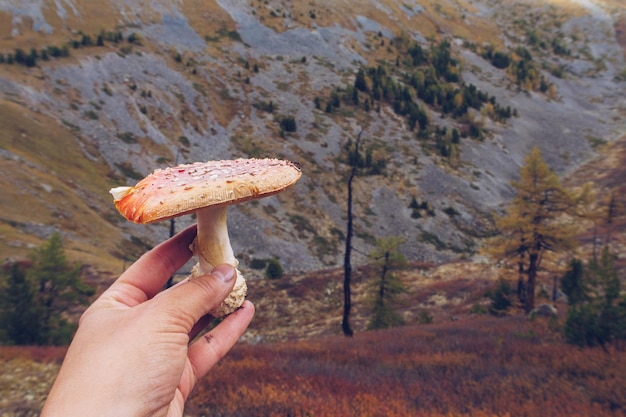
206, 188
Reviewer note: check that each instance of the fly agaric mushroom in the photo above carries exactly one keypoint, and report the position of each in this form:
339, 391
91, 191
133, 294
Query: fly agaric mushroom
206, 189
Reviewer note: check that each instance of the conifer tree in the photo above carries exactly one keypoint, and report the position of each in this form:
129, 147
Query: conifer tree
599, 317
388, 286
19, 315
35, 301
573, 285
57, 287
533, 224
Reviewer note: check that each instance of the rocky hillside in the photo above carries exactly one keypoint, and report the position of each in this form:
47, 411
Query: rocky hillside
98, 94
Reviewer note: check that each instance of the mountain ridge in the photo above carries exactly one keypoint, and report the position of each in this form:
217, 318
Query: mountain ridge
191, 86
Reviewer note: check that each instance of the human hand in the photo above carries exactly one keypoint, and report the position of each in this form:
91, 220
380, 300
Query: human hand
131, 354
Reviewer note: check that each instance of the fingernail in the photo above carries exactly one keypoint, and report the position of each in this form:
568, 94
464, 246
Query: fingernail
224, 272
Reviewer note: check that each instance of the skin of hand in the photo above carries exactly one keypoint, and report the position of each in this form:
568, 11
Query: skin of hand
134, 353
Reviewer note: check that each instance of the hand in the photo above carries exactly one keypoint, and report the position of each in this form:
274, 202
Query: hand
131, 354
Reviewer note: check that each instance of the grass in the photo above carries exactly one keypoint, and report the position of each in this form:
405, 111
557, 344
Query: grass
463, 364
482, 367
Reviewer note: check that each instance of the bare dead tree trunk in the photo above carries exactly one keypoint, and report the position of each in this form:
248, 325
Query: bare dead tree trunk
170, 281
347, 266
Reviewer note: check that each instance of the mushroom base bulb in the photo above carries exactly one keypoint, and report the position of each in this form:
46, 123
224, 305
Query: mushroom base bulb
233, 301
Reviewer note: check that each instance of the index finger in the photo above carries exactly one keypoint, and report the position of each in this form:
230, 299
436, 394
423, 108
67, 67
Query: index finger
150, 272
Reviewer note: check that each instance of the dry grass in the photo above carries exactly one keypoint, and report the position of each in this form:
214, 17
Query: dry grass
207, 17
42, 191
483, 367
480, 367
570, 7
310, 305
93, 16
462, 365
26, 377
455, 18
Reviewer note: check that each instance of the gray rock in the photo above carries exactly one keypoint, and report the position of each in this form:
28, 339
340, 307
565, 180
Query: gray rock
543, 310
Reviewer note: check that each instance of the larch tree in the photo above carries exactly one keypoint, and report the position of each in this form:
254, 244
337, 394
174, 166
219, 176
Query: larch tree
388, 286
536, 222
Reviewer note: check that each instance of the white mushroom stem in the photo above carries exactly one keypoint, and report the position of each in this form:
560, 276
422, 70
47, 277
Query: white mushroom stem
212, 243
212, 247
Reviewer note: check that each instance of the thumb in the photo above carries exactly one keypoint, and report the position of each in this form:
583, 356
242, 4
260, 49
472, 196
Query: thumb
197, 296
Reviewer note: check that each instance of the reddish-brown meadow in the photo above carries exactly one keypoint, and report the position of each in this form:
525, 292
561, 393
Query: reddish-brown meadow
462, 365
41, 354
478, 367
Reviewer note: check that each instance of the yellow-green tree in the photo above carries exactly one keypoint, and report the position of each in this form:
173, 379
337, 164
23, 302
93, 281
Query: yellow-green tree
537, 221
388, 286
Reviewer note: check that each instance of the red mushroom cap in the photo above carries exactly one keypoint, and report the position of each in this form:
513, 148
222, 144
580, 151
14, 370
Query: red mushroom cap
179, 190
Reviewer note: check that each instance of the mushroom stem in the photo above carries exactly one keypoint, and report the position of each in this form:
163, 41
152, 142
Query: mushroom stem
212, 244
212, 247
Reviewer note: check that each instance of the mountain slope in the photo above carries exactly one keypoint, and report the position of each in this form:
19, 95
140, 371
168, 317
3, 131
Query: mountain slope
192, 80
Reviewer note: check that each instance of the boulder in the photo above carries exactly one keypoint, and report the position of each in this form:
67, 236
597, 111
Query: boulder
543, 310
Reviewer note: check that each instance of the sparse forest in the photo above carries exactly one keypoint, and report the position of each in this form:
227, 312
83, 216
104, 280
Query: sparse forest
543, 221
422, 78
